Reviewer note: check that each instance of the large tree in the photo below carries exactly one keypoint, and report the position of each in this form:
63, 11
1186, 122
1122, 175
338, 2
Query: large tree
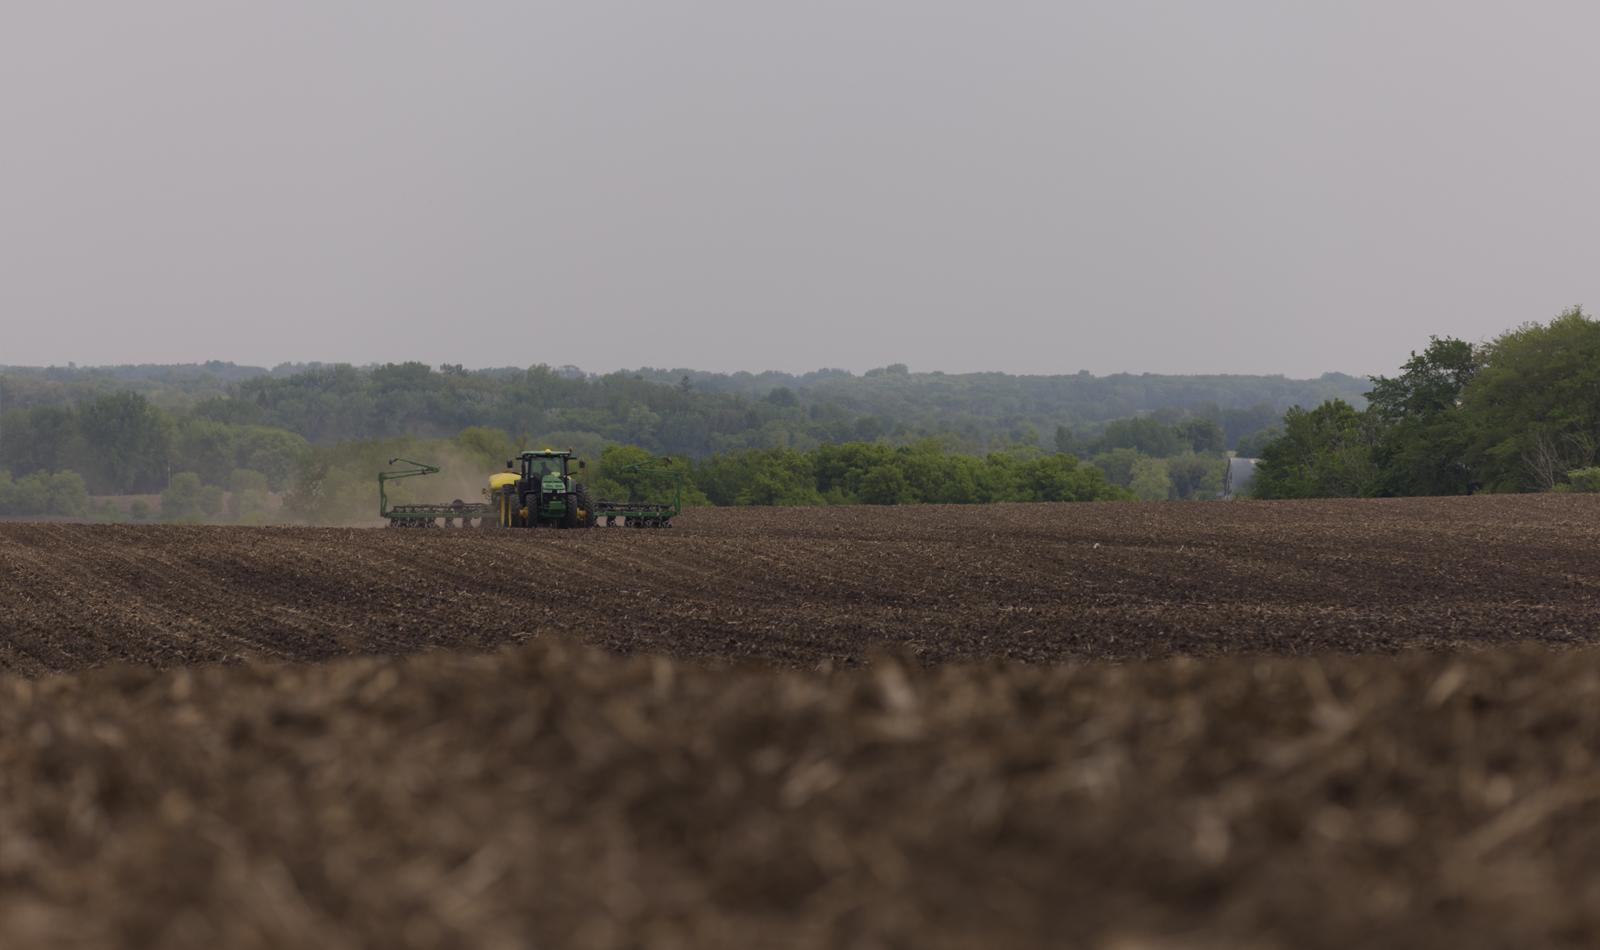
1422, 447
1534, 404
1323, 452
126, 443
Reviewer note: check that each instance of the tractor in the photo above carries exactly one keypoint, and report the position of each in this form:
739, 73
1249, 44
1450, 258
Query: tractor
540, 490
537, 490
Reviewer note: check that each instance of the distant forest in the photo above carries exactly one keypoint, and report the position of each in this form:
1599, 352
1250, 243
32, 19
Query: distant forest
1518, 413
678, 412
219, 430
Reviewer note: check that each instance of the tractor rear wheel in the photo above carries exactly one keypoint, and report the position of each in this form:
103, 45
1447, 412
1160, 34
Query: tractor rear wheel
586, 505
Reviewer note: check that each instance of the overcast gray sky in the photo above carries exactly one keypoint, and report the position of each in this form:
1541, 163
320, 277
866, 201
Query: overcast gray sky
735, 184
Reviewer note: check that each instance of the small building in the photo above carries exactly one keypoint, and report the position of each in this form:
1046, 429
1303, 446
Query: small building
1238, 476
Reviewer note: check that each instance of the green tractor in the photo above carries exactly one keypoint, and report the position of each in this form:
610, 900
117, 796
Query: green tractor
540, 490
537, 490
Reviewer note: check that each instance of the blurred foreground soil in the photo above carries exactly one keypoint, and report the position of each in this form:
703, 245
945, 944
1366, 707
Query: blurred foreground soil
552, 795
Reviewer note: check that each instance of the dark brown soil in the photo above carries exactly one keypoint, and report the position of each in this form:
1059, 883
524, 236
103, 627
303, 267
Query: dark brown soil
796, 587
726, 792
546, 797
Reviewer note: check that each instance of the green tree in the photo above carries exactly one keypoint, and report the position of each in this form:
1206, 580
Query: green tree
1065, 442
66, 494
884, 485
1195, 476
629, 473
183, 498
1201, 435
840, 467
212, 501
780, 477
1324, 452
1144, 435
932, 473
1584, 479
1118, 464
126, 443
206, 448
24, 496
490, 446
40, 439
1422, 446
1252, 445
275, 453
1060, 478
61, 494
1150, 480
1533, 407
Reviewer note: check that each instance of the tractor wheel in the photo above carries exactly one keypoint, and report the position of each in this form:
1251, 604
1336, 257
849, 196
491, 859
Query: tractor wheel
586, 505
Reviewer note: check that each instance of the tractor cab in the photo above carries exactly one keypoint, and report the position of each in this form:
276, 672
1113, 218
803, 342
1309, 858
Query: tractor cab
547, 468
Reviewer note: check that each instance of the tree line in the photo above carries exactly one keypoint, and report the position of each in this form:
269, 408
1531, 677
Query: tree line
337, 483
1516, 414
673, 412
206, 436
121, 443
254, 474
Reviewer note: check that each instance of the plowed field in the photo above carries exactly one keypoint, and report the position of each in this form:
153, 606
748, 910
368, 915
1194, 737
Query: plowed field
1034, 583
1210, 725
